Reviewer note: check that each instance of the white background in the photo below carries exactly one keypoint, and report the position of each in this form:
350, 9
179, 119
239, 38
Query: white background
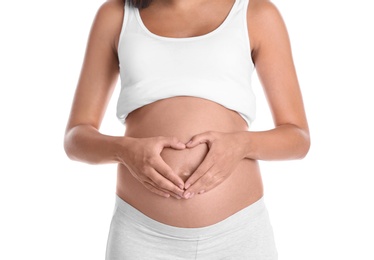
53, 208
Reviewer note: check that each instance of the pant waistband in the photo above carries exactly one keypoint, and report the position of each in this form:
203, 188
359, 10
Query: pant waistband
243, 217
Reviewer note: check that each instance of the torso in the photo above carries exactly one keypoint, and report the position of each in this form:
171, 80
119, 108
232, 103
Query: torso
184, 117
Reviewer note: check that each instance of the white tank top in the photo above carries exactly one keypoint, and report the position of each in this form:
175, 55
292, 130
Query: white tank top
216, 66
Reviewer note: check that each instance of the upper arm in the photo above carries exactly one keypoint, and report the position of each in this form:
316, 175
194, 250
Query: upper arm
271, 53
100, 68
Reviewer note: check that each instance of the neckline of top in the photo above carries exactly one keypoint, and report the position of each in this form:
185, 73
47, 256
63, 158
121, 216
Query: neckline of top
166, 38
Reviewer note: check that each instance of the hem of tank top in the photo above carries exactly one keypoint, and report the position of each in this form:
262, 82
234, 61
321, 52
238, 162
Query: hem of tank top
182, 39
248, 123
245, 118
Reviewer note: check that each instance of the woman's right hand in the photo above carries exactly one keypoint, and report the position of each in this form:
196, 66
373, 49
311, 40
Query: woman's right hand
142, 158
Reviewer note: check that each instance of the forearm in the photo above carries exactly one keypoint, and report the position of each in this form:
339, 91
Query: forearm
84, 143
285, 142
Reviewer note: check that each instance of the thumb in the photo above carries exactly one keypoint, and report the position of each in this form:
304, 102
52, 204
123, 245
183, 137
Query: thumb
199, 139
174, 143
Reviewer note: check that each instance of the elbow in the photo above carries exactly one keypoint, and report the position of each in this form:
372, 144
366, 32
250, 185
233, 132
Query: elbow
77, 147
69, 151
70, 144
304, 145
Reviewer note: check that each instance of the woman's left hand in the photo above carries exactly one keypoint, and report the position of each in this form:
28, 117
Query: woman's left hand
225, 152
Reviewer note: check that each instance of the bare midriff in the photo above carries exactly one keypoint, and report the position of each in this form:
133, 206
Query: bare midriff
183, 117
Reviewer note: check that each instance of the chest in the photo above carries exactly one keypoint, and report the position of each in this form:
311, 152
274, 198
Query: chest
189, 21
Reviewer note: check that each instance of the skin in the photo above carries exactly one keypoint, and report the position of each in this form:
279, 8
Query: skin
175, 164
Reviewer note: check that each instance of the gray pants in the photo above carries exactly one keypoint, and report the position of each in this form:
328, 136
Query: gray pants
246, 235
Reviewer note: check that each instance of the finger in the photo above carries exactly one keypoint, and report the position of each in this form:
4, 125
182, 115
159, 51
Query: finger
199, 139
172, 142
155, 190
165, 170
160, 191
207, 182
160, 181
198, 173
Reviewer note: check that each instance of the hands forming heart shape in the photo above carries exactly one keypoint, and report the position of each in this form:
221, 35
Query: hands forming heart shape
226, 150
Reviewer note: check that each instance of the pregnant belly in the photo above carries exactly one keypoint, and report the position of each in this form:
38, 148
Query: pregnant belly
184, 117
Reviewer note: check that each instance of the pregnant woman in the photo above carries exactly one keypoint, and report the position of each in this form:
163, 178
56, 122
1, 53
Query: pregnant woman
189, 184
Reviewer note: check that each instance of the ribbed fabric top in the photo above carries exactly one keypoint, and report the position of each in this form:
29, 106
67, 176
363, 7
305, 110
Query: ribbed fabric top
216, 66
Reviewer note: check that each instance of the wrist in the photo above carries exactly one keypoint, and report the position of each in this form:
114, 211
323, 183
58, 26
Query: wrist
122, 146
249, 147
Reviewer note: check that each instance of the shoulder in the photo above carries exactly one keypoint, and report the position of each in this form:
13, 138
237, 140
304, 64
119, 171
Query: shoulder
110, 13
111, 7
263, 19
263, 10
108, 20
